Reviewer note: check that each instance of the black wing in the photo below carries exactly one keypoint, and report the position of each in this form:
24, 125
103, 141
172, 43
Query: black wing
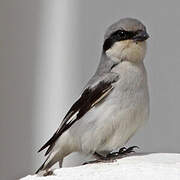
89, 98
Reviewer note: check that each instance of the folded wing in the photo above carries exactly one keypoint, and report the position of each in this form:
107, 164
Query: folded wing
89, 98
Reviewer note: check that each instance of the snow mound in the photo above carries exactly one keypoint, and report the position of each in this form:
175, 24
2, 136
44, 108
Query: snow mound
152, 166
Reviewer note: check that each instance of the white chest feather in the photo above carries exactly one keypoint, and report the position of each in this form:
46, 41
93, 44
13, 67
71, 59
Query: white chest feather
128, 50
110, 124
127, 106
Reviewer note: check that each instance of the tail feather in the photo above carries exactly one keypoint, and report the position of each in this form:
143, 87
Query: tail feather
46, 164
41, 168
49, 162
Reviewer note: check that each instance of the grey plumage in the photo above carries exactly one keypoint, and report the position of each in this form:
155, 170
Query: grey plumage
115, 101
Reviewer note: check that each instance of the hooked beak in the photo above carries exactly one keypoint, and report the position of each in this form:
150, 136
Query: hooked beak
141, 36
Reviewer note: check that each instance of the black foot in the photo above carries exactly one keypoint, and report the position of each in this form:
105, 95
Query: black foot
111, 157
129, 150
91, 162
122, 152
48, 173
99, 158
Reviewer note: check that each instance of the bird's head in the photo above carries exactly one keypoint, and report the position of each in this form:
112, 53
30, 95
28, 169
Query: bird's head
126, 40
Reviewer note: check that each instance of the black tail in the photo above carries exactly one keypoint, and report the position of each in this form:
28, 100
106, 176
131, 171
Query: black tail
41, 168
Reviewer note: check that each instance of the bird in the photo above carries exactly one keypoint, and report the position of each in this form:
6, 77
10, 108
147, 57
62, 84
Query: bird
113, 105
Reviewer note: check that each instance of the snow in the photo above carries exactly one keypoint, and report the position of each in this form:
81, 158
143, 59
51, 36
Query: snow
151, 166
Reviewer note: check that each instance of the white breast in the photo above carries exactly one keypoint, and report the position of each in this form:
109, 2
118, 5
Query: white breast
112, 122
129, 103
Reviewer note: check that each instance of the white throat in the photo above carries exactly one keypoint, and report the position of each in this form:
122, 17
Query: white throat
127, 50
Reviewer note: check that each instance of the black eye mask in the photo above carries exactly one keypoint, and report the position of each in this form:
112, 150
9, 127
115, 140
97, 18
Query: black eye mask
119, 35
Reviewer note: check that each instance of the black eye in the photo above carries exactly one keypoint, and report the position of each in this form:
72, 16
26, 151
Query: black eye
118, 35
121, 33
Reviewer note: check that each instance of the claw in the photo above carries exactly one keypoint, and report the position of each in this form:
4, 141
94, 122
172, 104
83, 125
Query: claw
48, 173
130, 149
112, 156
122, 149
135, 147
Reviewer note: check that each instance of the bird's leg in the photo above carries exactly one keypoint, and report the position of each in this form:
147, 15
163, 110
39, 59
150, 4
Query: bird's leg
99, 158
60, 163
112, 156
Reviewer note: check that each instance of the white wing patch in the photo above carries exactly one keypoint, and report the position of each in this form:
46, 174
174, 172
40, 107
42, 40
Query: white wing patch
73, 117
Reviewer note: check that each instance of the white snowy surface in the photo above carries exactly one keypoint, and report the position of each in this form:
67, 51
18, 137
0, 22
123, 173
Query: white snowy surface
152, 166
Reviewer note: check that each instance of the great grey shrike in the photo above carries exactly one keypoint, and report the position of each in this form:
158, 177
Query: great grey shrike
114, 103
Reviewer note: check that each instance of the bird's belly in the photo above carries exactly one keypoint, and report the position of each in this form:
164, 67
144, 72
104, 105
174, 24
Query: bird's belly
111, 123
108, 126
121, 127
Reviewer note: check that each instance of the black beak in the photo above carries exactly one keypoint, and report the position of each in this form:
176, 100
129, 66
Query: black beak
141, 36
